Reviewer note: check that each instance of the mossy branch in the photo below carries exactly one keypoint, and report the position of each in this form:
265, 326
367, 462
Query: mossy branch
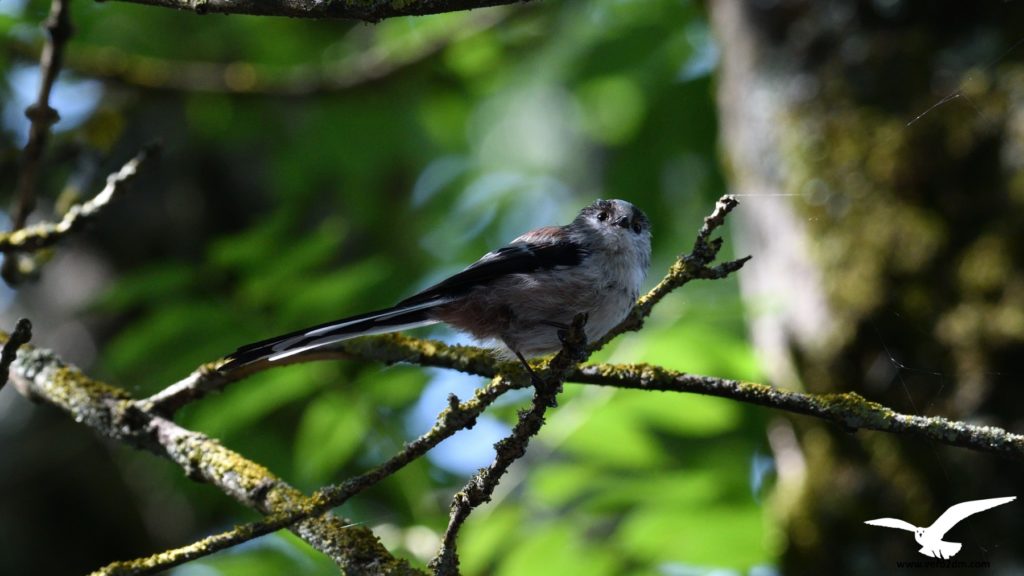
458, 416
365, 66
39, 374
848, 410
366, 10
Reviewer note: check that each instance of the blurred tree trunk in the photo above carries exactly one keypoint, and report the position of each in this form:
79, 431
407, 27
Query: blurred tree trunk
893, 266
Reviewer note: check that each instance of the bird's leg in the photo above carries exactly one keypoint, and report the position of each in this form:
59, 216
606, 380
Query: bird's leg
533, 375
538, 383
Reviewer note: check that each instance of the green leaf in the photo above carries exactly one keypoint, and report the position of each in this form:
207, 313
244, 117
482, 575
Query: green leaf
597, 489
558, 484
242, 405
330, 295
703, 535
558, 549
698, 348
146, 285
391, 387
8, 22
613, 108
612, 436
331, 431
684, 414
251, 247
487, 537
443, 116
276, 282
474, 56
165, 344
625, 492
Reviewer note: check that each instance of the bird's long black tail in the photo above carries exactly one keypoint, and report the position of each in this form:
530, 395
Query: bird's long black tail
379, 322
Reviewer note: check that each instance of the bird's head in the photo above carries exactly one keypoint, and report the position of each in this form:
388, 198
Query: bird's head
619, 224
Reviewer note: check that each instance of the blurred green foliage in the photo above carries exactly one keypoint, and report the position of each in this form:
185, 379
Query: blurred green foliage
270, 212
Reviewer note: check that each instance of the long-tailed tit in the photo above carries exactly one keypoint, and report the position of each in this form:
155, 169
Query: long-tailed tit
518, 297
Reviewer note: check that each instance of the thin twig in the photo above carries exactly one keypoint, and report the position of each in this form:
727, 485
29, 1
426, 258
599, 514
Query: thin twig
457, 416
42, 116
250, 78
480, 487
21, 335
48, 233
695, 265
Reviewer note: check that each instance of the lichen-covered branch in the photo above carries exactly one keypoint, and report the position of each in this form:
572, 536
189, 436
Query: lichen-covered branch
366, 10
110, 411
364, 66
48, 233
386, 348
458, 416
848, 410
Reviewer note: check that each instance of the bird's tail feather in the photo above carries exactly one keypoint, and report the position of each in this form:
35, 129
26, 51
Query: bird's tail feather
292, 343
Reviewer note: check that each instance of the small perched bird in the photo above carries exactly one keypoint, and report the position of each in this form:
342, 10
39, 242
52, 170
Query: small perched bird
517, 298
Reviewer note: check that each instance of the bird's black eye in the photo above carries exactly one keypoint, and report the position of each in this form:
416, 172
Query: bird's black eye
602, 216
636, 226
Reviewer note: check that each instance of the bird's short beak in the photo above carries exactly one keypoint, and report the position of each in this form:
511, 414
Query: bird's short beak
622, 222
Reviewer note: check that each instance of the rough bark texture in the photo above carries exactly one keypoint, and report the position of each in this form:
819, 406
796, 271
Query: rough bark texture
367, 10
897, 259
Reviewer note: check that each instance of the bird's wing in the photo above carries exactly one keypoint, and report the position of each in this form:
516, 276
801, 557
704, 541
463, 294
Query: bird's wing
958, 512
892, 523
541, 249
544, 248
